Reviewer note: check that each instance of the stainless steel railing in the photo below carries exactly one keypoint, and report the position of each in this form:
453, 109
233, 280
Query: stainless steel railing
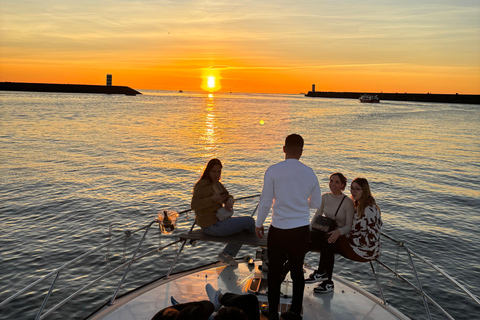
126, 265
418, 286
59, 270
135, 257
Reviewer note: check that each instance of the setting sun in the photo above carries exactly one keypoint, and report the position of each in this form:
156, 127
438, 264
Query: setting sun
211, 79
235, 50
211, 82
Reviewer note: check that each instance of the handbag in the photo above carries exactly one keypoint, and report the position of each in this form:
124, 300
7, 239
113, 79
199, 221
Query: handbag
326, 224
223, 214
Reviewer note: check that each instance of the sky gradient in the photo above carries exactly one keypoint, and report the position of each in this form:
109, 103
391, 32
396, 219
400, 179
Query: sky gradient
249, 46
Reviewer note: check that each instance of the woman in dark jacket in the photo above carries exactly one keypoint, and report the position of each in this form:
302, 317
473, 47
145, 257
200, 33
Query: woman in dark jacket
209, 195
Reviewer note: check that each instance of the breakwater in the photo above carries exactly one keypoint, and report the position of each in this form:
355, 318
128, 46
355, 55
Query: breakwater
66, 88
419, 97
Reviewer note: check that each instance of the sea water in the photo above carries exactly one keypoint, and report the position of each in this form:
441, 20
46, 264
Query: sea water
74, 166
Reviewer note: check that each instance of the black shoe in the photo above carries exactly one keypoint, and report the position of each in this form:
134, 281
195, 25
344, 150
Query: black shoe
289, 315
324, 287
316, 277
267, 314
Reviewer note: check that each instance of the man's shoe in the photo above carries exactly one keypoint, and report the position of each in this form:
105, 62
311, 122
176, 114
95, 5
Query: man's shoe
267, 314
316, 277
226, 258
213, 296
324, 287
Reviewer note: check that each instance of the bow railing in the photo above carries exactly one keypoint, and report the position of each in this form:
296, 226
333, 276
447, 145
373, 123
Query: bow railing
125, 266
127, 263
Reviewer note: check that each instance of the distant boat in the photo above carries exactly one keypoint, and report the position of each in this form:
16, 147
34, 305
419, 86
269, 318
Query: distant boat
180, 91
367, 98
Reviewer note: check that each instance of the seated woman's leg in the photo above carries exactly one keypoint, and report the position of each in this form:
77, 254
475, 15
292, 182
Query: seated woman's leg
316, 237
327, 258
342, 246
231, 249
229, 227
316, 240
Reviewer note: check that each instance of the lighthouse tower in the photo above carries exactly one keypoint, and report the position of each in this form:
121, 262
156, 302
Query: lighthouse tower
109, 80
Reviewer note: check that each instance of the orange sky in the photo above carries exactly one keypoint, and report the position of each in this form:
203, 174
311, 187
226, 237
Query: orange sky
250, 46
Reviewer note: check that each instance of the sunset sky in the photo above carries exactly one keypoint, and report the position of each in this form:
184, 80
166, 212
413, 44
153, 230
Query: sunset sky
273, 46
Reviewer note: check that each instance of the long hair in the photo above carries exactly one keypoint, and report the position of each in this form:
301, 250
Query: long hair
366, 200
342, 178
208, 168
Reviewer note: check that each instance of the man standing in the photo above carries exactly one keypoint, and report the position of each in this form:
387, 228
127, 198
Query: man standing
293, 189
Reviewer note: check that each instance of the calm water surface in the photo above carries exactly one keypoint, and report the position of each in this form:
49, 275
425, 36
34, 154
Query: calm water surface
74, 164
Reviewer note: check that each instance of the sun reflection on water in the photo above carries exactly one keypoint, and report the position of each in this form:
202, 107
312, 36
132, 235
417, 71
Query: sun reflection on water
209, 136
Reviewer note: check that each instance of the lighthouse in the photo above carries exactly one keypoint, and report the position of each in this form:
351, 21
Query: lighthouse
109, 80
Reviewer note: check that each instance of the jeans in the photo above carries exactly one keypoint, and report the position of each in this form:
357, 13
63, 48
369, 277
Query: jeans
229, 227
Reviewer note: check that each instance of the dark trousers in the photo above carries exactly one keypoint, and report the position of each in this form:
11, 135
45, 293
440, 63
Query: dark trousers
283, 245
327, 251
248, 303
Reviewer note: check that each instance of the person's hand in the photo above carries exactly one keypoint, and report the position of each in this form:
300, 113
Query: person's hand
333, 236
259, 231
219, 198
229, 204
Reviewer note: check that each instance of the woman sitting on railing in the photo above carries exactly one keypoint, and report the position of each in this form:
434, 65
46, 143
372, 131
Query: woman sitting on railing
362, 244
364, 239
337, 206
209, 195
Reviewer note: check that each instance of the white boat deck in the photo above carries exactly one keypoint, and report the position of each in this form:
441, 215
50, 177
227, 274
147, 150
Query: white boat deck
346, 302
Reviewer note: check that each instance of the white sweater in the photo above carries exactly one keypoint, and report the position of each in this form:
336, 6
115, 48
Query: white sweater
344, 217
293, 189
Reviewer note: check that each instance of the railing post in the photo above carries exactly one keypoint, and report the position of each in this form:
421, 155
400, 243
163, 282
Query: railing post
130, 263
425, 302
378, 283
178, 253
39, 313
176, 258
